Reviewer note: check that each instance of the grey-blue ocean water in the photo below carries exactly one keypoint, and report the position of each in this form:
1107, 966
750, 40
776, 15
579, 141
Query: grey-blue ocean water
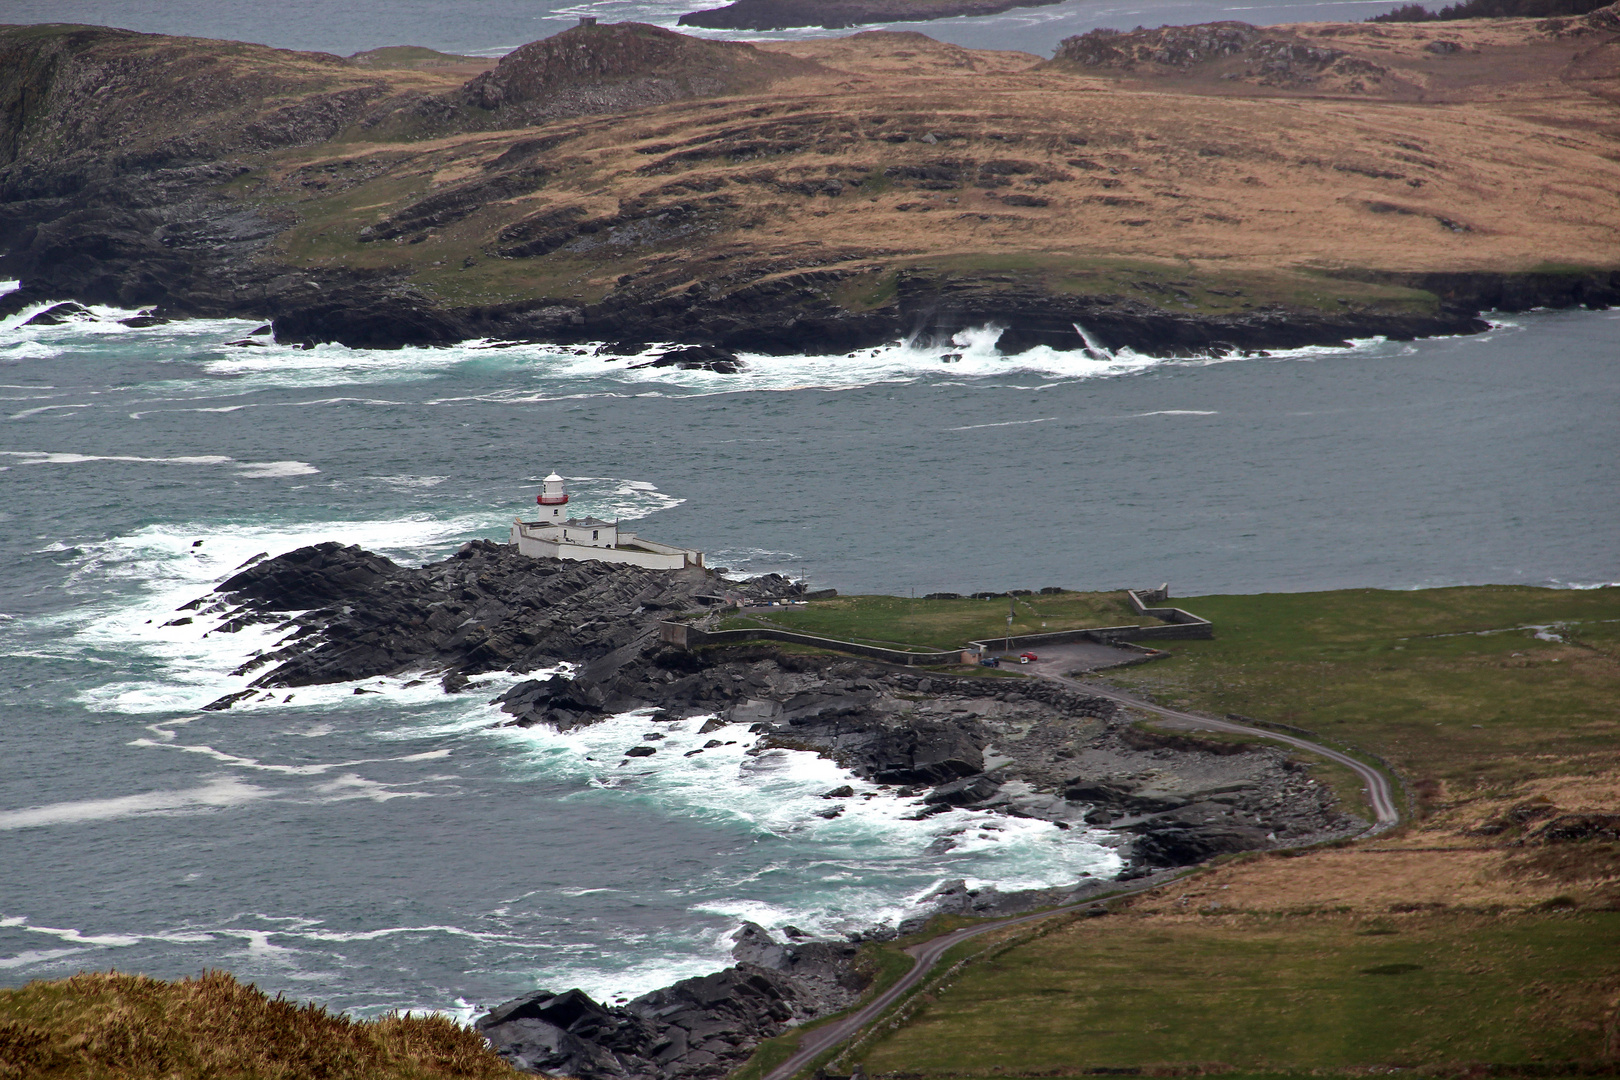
395, 850
495, 27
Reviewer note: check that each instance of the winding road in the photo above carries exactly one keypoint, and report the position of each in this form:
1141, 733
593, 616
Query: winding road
1380, 796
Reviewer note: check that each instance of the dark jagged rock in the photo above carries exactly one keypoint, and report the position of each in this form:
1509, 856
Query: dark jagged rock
965, 792
1272, 60
57, 314
355, 615
1177, 844
487, 608
309, 577
700, 1028
697, 358
929, 753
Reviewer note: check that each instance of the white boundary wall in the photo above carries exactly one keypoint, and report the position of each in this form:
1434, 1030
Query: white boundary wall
544, 541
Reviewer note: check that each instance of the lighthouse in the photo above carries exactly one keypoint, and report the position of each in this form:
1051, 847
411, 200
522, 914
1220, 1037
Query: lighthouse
552, 498
558, 536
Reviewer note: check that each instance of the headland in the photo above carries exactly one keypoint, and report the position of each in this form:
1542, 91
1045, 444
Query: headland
1179, 191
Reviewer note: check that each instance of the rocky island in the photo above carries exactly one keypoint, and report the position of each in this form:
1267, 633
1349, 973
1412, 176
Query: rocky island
938, 740
1181, 191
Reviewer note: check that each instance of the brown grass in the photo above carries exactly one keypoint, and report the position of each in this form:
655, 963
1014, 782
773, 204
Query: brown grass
1188, 192
113, 1026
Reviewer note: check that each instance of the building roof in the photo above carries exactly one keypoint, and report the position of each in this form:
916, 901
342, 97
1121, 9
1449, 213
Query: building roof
552, 477
588, 523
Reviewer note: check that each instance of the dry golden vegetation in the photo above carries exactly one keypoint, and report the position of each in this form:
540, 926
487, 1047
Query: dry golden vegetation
111, 1026
894, 152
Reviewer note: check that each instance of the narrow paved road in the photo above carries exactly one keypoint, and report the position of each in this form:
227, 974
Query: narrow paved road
926, 955
1380, 794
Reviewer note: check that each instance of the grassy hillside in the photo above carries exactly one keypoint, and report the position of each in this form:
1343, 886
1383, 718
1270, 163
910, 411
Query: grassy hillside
110, 1026
1464, 690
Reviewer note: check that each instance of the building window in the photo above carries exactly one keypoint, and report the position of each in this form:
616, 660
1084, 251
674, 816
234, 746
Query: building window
593, 534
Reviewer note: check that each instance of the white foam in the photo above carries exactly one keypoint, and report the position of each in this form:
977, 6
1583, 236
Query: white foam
26, 413
30, 957
780, 793
77, 937
181, 668
220, 793
1003, 423
250, 469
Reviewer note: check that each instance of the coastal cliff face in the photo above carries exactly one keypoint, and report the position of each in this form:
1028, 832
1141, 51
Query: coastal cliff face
1181, 191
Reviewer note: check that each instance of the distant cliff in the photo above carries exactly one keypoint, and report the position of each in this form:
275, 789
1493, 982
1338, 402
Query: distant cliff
1177, 191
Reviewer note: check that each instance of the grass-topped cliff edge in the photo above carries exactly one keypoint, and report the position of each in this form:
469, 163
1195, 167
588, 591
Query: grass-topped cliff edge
1249, 188
113, 1026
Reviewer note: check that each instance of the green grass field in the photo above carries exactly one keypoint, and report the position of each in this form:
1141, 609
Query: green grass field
1452, 685
947, 624
1274, 994
1472, 693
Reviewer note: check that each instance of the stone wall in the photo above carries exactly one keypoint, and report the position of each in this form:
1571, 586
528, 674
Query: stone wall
690, 637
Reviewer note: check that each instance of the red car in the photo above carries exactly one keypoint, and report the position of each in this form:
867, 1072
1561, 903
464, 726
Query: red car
1026, 657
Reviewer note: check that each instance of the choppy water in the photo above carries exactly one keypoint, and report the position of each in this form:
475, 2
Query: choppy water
394, 851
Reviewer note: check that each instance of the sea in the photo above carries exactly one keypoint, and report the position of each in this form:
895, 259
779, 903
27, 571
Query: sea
398, 849
495, 27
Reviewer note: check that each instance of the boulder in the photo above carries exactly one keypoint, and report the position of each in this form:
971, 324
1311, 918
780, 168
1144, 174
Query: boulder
57, 314
696, 358
964, 792
754, 945
925, 753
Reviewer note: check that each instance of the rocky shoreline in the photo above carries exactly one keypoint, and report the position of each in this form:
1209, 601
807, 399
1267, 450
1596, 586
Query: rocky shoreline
937, 741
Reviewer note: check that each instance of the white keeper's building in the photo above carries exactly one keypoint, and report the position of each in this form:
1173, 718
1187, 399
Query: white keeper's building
558, 536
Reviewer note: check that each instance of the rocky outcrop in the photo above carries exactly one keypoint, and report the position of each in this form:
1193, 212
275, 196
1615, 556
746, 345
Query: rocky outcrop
933, 307
611, 68
487, 608
1270, 59
699, 1028
1027, 748
1171, 46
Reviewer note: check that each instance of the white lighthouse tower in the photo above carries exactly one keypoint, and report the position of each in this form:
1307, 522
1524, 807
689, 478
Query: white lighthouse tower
558, 536
552, 498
